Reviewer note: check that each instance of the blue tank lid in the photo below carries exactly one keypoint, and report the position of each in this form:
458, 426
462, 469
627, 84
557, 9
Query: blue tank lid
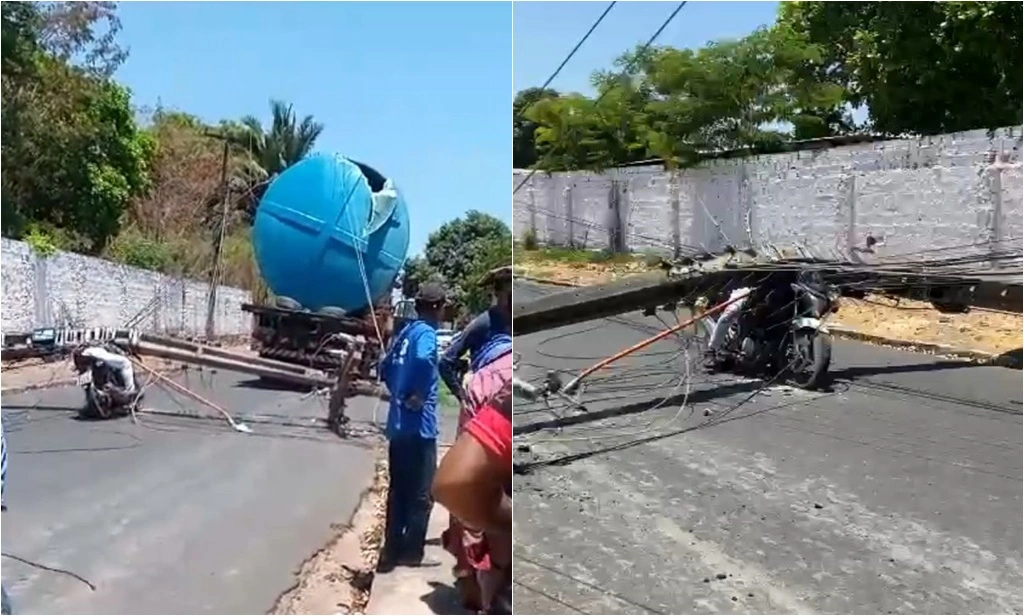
321, 224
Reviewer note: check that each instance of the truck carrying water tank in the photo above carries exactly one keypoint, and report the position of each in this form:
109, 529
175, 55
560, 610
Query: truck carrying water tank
331, 233
330, 237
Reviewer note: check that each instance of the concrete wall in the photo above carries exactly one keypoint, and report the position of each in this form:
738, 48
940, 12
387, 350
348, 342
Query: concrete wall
71, 290
920, 194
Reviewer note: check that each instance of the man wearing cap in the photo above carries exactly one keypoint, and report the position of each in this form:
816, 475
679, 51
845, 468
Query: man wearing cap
475, 339
410, 372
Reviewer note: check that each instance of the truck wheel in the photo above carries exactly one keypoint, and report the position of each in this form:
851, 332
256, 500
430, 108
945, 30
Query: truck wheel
287, 303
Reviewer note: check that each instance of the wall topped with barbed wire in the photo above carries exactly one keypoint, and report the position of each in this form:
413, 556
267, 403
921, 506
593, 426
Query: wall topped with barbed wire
67, 290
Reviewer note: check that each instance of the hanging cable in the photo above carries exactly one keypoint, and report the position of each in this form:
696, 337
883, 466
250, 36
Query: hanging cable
579, 44
644, 48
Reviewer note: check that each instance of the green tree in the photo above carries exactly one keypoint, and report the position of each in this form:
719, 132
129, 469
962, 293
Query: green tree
567, 133
462, 250
577, 132
73, 157
920, 67
680, 104
494, 252
415, 273
271, 149
21, 23
524, 145
732, 94
83, 34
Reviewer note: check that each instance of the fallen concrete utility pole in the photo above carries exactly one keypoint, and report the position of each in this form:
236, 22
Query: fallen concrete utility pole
948, 291
339, 384
227, 361
212, 351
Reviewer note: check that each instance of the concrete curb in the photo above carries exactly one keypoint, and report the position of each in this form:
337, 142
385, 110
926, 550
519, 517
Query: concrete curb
553, 283
982, 357
406, 590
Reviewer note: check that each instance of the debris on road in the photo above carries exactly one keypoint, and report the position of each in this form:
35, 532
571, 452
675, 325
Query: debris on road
762, 485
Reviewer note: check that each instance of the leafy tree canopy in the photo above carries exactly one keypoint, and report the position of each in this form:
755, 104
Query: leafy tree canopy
459, 254
921, 67
81, 173
524, 149
271, 149
73, 157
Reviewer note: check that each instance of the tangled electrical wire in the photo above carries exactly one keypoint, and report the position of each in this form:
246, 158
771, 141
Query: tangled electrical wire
663, 383
181, 406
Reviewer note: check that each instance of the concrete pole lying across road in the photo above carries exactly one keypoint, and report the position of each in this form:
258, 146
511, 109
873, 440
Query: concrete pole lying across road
227, 360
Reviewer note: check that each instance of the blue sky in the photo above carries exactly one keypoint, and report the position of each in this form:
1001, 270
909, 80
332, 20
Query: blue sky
420, 91
546, 31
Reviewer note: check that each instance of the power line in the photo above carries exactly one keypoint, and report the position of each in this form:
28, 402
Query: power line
643, 49
579, 44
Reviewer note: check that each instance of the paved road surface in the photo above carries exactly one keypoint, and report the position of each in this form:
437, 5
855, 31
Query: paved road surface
175, 515
898, 492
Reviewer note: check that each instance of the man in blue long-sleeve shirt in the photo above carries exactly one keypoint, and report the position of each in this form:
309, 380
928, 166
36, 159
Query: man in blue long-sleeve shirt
410, 373
473, 339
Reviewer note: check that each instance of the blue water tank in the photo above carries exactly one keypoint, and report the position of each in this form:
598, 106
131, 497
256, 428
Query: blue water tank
314, 223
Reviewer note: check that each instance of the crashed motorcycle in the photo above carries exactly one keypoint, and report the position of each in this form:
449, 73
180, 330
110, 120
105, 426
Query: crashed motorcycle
105, 395
781, 334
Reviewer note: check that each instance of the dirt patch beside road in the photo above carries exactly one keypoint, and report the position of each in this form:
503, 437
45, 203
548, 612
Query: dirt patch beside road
573, 267
979, 330
36, 373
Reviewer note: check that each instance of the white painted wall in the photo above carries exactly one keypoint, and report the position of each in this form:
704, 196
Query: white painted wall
71, 290
920, 194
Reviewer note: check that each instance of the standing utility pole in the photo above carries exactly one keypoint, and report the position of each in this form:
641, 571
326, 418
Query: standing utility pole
219, 242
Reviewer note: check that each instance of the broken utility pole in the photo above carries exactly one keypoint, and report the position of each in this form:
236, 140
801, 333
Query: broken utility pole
211, 308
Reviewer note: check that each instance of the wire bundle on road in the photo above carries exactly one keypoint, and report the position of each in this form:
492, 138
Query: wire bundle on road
628, 388
654, 378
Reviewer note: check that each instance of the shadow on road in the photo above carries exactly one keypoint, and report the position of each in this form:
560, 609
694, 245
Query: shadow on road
1013, 357
853, 373
444, 599
42, 407
270, 385
718, 419
851, 376
858, 376
640, 406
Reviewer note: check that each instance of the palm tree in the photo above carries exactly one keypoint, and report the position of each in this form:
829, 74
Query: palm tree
270, 151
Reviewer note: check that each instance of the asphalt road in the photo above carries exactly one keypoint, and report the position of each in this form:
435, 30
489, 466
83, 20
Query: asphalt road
899, 491
175, 515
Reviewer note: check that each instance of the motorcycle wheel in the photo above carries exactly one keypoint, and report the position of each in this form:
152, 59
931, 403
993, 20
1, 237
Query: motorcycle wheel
813, 351
95, 404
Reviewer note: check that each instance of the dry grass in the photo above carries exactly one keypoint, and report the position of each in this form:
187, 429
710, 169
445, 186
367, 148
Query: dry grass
173, 228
